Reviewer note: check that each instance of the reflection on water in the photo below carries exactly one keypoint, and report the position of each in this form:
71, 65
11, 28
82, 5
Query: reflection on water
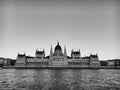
60, 79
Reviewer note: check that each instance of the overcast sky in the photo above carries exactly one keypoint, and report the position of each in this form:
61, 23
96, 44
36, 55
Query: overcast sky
89, 25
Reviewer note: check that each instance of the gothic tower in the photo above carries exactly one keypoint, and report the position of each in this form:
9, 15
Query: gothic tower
51, 52
65, 52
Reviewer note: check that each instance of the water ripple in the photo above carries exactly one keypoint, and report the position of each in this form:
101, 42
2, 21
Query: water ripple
62, 79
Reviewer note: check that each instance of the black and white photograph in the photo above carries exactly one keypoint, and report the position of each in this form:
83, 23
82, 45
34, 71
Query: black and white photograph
59, 44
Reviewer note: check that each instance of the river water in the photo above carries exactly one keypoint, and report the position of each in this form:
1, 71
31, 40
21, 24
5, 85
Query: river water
59, 79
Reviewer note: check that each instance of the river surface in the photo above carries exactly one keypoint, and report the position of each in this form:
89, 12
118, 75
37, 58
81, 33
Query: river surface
59, 79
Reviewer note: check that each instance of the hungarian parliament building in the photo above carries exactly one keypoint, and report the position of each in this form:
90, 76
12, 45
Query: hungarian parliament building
57, 58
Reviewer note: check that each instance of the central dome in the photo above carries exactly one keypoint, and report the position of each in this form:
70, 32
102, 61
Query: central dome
58, 47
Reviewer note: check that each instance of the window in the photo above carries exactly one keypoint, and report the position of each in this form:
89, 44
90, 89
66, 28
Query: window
77, 57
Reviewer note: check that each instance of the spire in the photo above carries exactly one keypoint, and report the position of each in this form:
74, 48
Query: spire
71, 52
90, 54
65, 52
96, 54
51, 50
57, 42
43, 50
80, 52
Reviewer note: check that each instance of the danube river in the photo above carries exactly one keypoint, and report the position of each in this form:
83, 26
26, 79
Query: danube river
59, 79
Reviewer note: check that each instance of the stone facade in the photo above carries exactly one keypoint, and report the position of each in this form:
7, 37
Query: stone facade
58, 58
21, 60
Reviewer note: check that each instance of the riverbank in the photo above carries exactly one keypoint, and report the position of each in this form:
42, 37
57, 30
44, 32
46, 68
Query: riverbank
60, 67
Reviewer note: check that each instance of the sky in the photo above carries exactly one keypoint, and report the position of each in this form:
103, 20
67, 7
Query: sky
89, 25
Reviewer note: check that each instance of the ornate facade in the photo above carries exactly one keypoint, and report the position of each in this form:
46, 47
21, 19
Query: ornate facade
57, 58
